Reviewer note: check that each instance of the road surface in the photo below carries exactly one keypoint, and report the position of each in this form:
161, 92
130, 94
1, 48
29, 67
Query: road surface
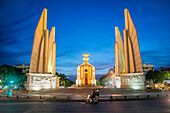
135, 106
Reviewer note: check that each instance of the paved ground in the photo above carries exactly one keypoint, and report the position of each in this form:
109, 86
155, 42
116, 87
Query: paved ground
137, 106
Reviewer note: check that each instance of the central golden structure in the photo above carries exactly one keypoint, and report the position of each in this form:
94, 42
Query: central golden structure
85, 73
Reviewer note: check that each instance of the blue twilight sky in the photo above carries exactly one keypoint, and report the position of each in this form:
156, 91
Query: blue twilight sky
84, 26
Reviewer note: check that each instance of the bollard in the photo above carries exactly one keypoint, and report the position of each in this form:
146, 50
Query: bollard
40, 97
124, 97
158, 95
7, 96
17, 96
147, 96
166, 95
111, 97
137, 96
54, 96
68, 97
28, 97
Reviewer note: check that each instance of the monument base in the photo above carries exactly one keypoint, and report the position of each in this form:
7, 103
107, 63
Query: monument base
135, 81
36, 81
88, 86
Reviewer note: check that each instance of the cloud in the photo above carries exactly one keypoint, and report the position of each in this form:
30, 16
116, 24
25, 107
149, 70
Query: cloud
157, 58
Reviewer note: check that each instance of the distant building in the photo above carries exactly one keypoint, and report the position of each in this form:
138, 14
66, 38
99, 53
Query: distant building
25, 69
165, 69
147, 67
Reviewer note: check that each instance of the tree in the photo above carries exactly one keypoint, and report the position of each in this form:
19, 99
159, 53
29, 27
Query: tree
9, 73
103, 80
63, 80
157, 76
166, 74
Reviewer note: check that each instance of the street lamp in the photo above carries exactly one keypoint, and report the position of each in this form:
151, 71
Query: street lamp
11, 84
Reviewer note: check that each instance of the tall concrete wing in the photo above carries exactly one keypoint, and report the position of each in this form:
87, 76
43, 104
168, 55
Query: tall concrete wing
119, 53
51, 51
54, 58
133, 61
43, 59
39, 51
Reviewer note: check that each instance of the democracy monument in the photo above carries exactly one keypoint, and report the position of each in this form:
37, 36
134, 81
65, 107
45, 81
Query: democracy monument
43, 59
128, 64
86, 73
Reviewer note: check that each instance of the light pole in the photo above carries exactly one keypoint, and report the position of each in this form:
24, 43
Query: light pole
11, 84
10, 92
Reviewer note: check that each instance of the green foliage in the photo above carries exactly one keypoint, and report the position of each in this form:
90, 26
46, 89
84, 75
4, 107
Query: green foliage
10, 73
105, 80
166, 74
63, 81
157, 76
98, 83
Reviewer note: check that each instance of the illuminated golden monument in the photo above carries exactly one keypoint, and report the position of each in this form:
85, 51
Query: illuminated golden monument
85, 73
43, 59
128, 64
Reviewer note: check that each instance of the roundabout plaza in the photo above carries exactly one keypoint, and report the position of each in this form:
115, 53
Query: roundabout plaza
128, 79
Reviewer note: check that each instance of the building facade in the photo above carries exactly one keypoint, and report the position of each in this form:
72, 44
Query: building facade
147, 67
23, 67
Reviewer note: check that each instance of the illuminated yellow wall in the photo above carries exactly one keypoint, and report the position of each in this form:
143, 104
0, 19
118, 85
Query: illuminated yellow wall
119, 53
43, 58
51, 51
131, 46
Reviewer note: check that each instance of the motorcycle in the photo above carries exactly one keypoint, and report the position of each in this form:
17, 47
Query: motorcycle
95, 100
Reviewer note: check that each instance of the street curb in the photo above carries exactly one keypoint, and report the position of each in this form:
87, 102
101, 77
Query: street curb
70, 100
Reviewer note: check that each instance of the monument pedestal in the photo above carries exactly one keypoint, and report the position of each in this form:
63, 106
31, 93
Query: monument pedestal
86, 86
36, 81
133, 80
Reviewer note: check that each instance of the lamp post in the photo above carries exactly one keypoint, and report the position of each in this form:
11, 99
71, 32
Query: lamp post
11, 84
10, 92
